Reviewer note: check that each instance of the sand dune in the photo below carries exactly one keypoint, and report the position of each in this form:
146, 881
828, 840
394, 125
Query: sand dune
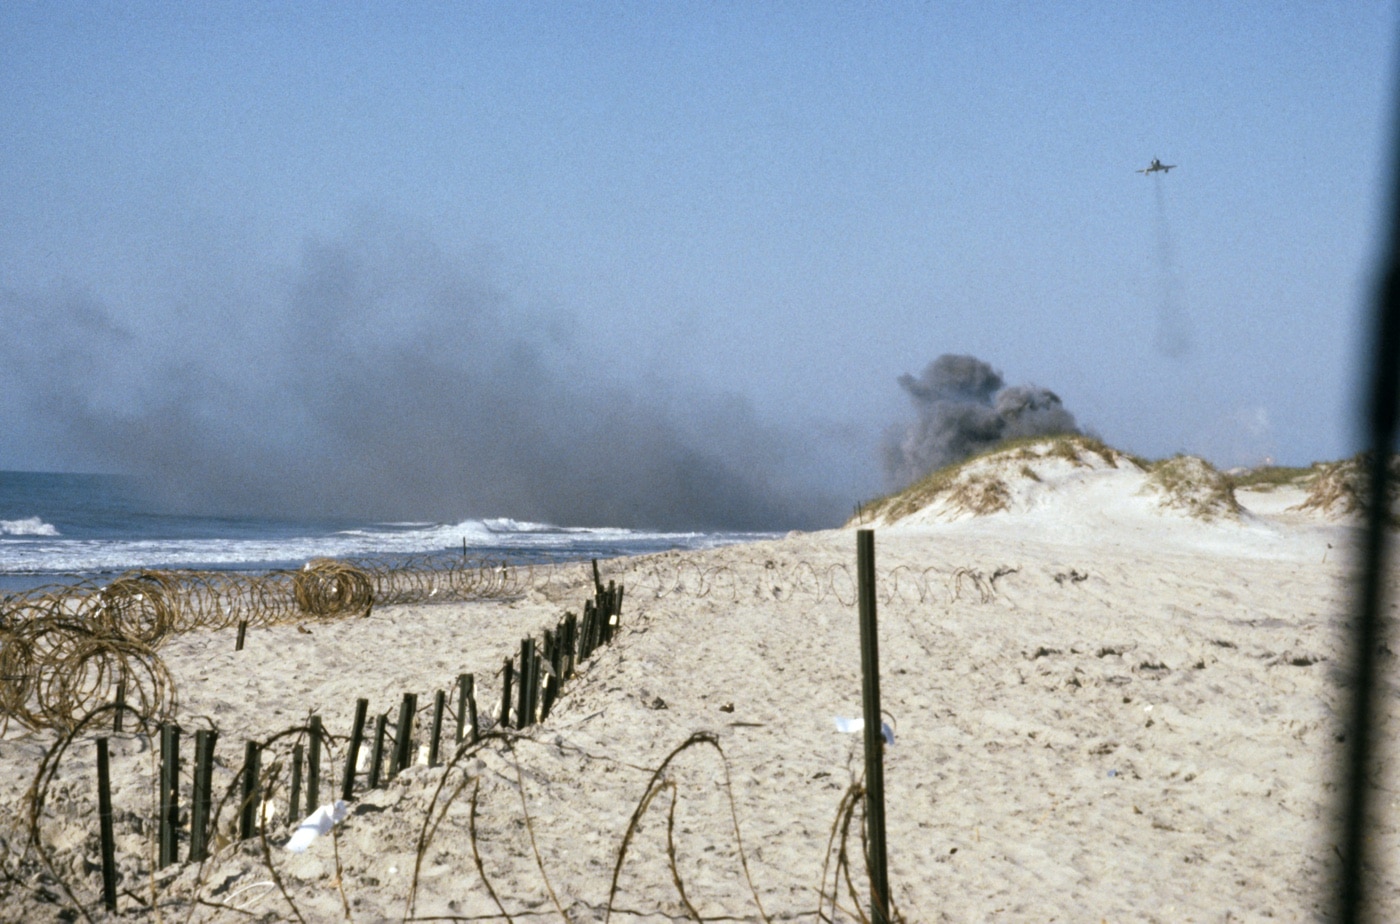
1110, 703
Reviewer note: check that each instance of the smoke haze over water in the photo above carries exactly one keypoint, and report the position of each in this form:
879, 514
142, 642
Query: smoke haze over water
963, 408
377, 378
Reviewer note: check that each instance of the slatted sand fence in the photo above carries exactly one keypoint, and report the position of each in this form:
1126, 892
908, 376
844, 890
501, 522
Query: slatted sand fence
220, 797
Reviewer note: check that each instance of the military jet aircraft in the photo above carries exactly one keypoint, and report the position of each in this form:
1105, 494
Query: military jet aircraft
1157, 165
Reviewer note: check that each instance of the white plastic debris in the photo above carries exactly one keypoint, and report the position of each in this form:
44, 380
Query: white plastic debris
851, 726
317, 823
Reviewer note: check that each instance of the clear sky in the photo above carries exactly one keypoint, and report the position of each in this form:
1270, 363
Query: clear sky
373, 261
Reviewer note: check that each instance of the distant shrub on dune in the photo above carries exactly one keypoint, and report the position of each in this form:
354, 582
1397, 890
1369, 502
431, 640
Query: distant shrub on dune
1269, 477
1193, 486
984, 483
1339, 489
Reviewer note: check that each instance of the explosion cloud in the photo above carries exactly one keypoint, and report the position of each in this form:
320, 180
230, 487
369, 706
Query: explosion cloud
963, 408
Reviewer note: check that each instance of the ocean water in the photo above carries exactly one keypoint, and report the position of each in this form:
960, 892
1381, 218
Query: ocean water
58, 527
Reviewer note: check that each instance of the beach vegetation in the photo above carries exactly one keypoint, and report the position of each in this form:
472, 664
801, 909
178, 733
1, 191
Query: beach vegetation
1339, 489
1270, 477
1193, 486
978, 484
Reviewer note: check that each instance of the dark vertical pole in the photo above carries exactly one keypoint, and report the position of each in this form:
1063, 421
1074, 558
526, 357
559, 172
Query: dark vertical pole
294, 800
524, 715
352, 755
610, 610
121, 705
248, 818
313, 766
242, 631
570, 643
403, 735
200, 800
874, 738
473, 721
462, 681
376, 756
104, 813
435, 741
597, 580
169, 827
506, 672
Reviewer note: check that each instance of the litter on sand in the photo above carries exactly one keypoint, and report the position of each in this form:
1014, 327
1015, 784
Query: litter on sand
317, 823
851, 726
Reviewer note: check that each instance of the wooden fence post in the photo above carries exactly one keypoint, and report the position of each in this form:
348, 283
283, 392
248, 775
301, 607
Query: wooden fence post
105, 834
313, 766
874, 734
435, 740
403, 735
506, 670
294, 797
252, 795
169, 801
352, 755
201, 799
377, 754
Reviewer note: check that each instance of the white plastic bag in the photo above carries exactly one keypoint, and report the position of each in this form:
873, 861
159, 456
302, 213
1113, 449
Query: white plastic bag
317, 823
851, 726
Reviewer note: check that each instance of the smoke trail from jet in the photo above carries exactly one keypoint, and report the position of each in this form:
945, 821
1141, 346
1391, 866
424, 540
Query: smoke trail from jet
1173, 335
964, 407
378, 378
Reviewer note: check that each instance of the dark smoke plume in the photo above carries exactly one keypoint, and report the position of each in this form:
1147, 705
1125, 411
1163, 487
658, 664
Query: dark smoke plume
378, 379
963, 408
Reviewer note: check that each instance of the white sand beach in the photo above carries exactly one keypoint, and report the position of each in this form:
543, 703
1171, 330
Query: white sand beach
1106, 706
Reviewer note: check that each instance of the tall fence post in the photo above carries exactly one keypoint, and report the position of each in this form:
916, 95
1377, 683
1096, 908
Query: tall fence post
377, 753
294, 797
403, 735
201, 798
435, 739
169, 826
874, 736
108, 839
252, 796
352, 753
313, 766
466, 709
506, 671
524, 711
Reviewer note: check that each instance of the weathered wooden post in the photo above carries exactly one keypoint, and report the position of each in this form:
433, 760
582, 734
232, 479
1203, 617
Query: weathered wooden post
105, 833
121, 705
202, 797
313, 766
376, 756
506, 671
294, 798
352, 754
169, 821
435, 739
874, 735
403, 735
252, 795
524, 709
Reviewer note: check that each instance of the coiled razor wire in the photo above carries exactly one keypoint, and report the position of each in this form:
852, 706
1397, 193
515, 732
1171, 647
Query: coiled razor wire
66, 650
903, 583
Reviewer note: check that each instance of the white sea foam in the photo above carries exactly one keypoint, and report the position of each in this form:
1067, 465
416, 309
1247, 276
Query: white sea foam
30, 526
47, 552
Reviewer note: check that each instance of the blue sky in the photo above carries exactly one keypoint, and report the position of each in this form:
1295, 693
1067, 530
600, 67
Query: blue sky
709, 213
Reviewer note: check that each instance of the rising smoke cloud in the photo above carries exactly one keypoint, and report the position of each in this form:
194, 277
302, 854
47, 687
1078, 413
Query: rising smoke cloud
376, 377
964, 407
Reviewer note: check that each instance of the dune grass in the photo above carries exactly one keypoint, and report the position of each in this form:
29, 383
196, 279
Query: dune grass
982, 493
